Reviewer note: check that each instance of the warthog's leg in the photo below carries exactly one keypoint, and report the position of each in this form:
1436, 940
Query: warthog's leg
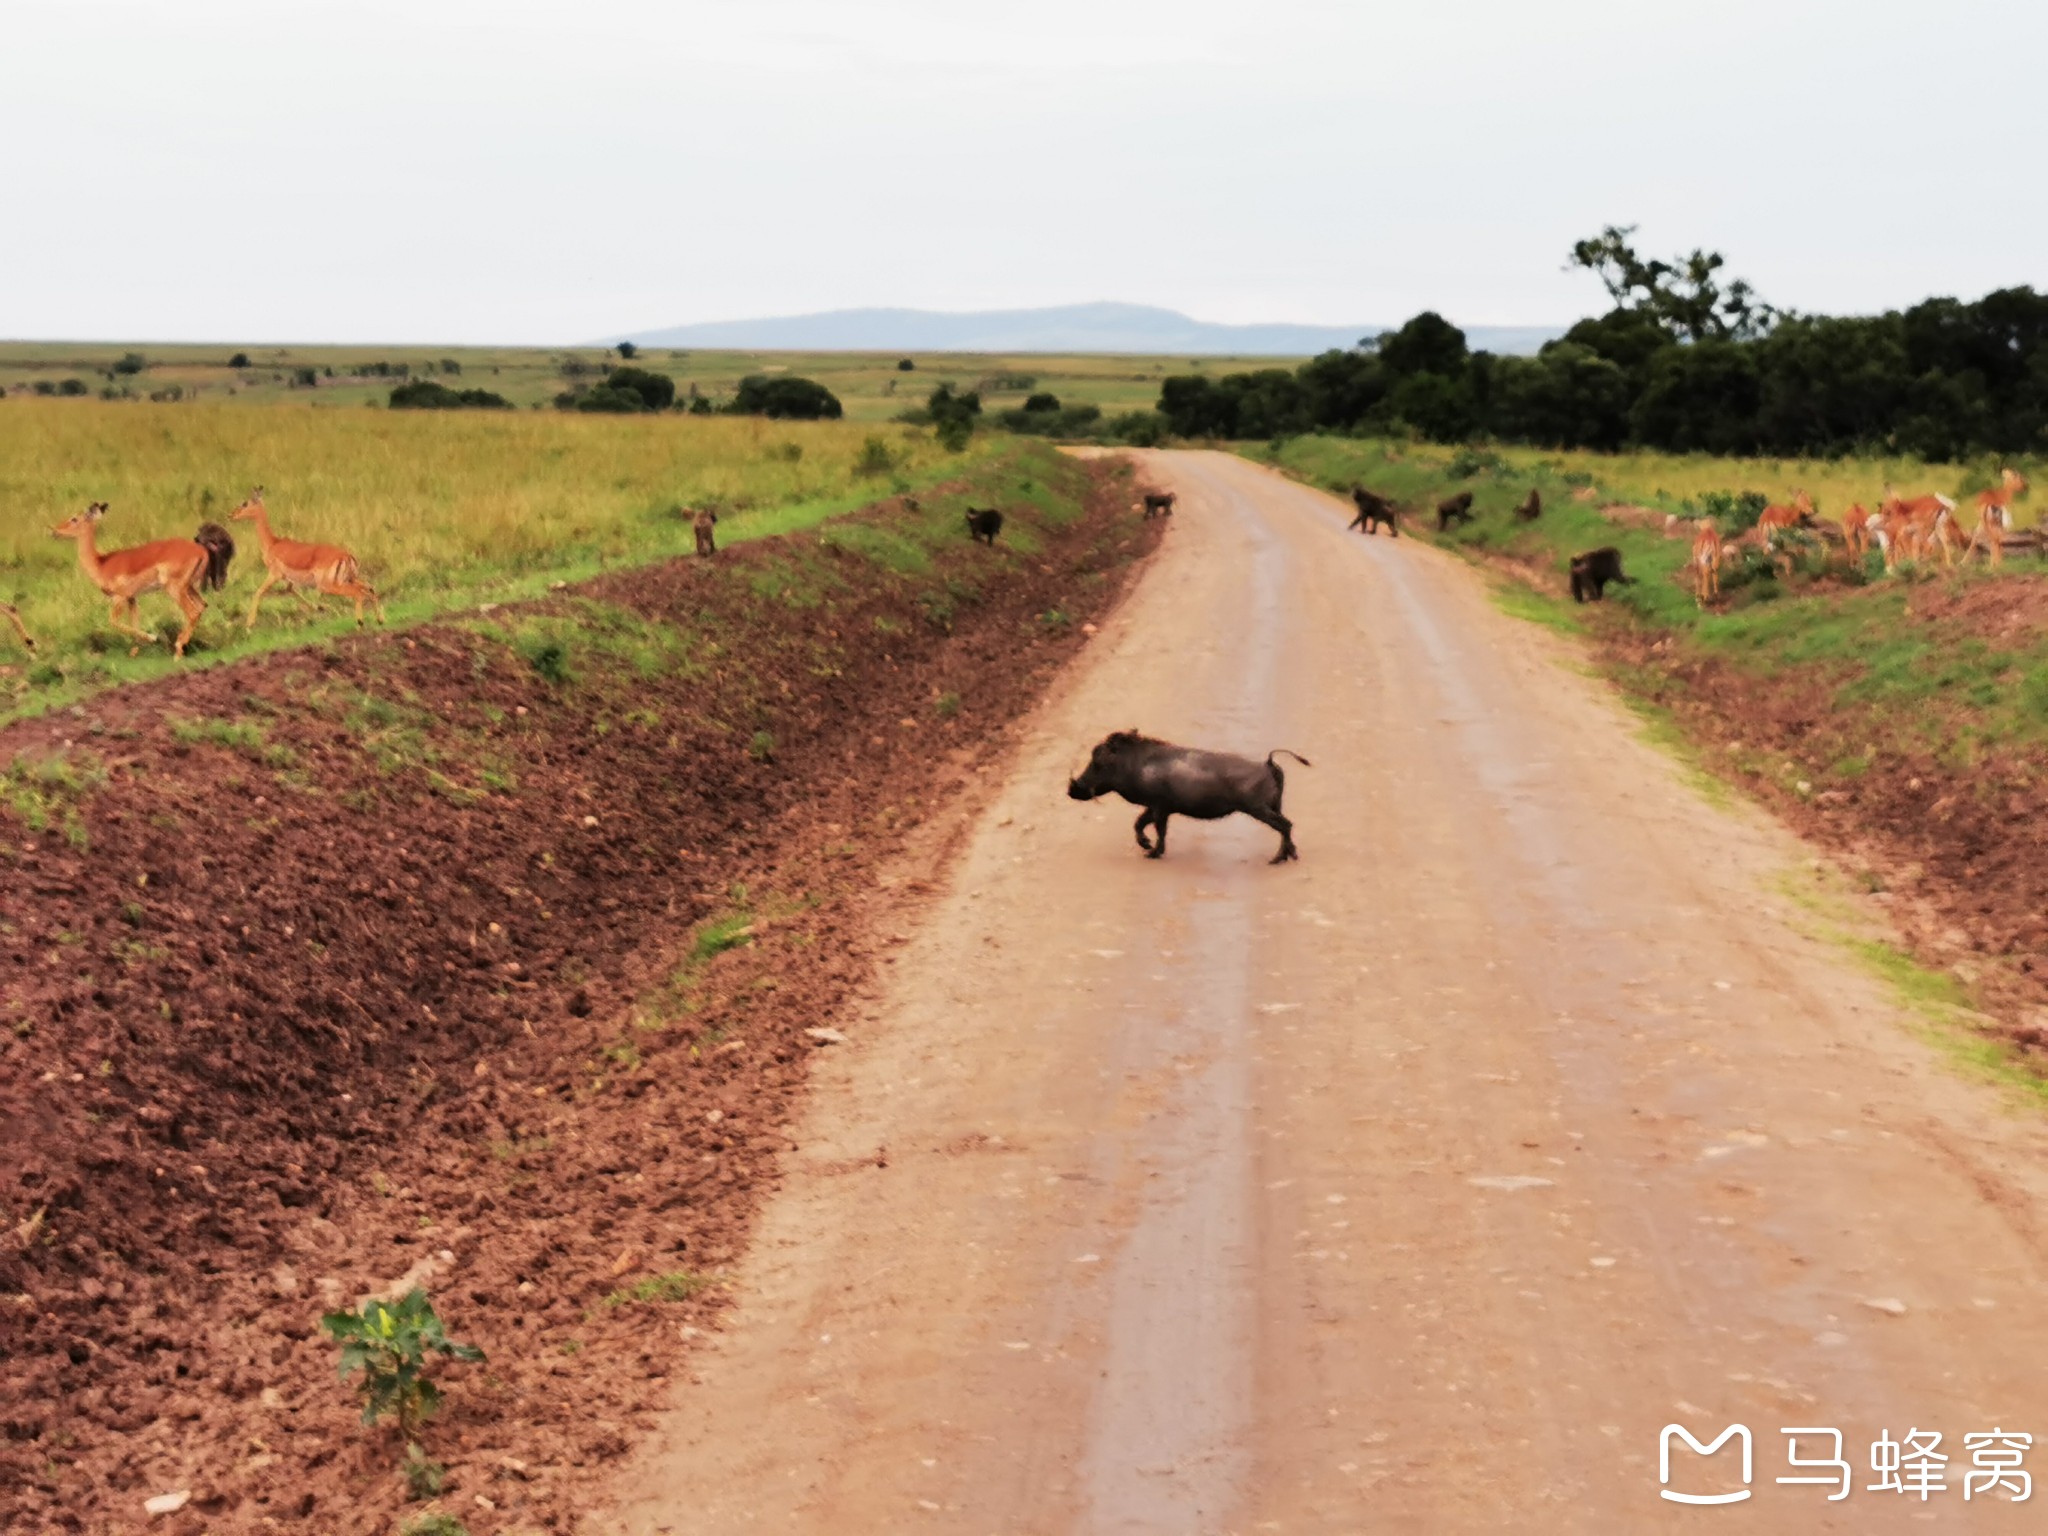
1144, 820
1285, 828
1159, 826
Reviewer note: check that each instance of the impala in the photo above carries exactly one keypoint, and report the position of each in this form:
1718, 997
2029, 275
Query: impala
1911, 526
178, 566
327, 569
1856, 531
1706, 561
1994, 516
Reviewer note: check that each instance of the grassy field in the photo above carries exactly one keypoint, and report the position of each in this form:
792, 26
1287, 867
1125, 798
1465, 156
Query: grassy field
445, 509
870, 385
1862, 634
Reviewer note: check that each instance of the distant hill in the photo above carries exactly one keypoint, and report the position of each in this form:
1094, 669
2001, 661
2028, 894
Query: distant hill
1118, 328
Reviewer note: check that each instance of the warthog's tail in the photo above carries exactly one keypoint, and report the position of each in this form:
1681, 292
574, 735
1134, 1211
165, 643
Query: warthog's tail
1295, 755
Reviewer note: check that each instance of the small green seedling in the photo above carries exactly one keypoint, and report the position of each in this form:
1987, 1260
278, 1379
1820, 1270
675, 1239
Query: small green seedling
390, 1346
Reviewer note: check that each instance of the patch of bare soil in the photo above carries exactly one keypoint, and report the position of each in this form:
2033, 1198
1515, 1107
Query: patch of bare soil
484, 956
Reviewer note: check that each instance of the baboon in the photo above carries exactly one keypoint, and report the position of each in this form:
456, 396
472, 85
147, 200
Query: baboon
1531, 509
220, 549
983, 524
1451, 509
1592, 571
1159, 503
1373, 510
702, 524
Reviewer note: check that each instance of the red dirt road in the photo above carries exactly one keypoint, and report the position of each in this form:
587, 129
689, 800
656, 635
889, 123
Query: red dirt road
1412, 1187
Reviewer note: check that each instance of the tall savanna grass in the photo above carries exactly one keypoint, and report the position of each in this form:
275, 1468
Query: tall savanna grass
441, 507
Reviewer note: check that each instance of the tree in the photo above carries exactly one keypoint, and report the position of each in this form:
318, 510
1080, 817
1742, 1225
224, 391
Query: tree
1684, 297
239, 360
905, 365
131, 363
657, 391
628, 351
1042, 401
1427, 344
787, 398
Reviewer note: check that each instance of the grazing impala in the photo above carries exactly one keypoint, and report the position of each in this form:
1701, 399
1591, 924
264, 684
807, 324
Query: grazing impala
1994, 516
328, 570
1856, 531
1910, 527
1776, 520
1706, 561
178, 566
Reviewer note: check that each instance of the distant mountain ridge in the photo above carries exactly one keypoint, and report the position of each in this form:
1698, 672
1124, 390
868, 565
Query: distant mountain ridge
1112, 328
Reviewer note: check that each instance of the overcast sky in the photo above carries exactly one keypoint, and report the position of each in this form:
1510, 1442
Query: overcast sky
450, 170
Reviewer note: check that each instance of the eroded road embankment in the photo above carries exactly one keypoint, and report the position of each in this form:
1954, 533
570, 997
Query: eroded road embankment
1414, 1186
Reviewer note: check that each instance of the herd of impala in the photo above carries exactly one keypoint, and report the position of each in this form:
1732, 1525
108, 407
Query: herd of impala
1899, 529
183, 568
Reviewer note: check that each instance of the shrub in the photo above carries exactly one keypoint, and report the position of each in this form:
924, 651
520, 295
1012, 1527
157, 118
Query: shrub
952, 415
390, 1346
429, 395
1733, 511
131, 363
450, 365
1468, 462
433, 1523
71, 387
305, 378
762, 748
1042, 401
785, 399
628, 351
657, 391
239, 360
875, 458
905, 365
45, 387
1141, 429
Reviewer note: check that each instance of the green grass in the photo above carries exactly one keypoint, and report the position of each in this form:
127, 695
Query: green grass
47, 792
677, 1285
1936, 686
446, 510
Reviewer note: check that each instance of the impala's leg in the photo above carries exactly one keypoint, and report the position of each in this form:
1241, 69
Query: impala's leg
189, 603
256, 602
358, 591
132, 627
21, 629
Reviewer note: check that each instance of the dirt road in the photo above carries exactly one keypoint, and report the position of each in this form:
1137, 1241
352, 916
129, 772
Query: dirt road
1412, 1187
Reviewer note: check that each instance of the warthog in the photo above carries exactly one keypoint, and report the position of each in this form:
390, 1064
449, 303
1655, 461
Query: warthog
1451, 509
1373, 510
1592, 571
1167, 780
983, 524
703, 523
1159, 503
